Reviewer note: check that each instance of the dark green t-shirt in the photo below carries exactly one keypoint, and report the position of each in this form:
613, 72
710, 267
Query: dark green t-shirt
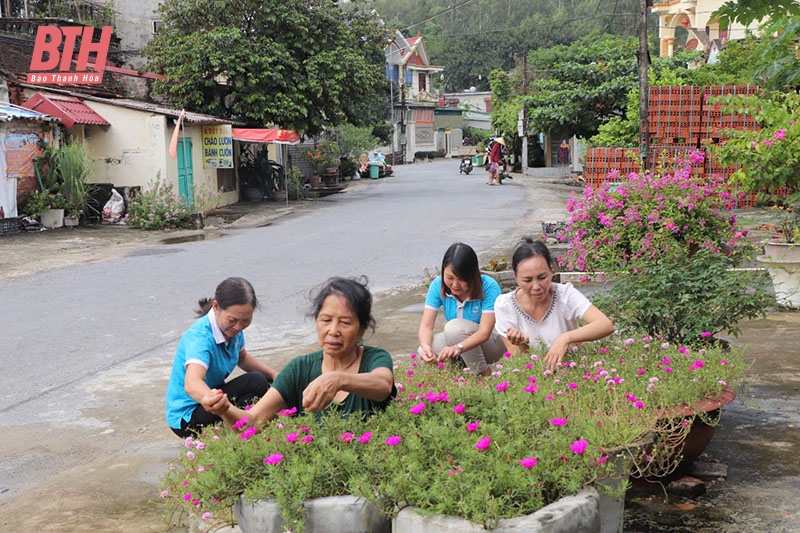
302, 370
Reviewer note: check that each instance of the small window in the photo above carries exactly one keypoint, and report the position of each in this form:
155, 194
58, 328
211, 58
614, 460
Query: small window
226, 180
156, 26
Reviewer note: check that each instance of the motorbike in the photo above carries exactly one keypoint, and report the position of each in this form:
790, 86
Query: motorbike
466, 165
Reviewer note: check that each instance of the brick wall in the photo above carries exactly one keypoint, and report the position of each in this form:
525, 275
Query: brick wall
21, 144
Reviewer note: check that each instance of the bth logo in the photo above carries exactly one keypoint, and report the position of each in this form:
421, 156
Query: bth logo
48, 41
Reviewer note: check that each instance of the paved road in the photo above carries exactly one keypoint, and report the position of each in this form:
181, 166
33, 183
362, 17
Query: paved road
86, 355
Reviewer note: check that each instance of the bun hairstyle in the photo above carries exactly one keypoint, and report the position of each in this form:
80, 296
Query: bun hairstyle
528, 248
232, 291
354, 290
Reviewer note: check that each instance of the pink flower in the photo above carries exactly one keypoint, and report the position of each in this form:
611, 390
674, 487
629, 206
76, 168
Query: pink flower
723, 361
483, 443
579, 446
473, 426
363, 439
308, 438
780, 134
273, 459
638, 405
287, 412
558, 421
417, 409
206, 516
394, 440
697, 364
187, 496
502, 386
190, 455
458, 409
291, 437
600, 460
573, 385
240, 423
247, 433
705, 334
528, 462
346, 436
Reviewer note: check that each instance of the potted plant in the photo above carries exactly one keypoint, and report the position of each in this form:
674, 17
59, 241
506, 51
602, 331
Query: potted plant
768, 167
295, 183
48, 207
668, 243
483, 450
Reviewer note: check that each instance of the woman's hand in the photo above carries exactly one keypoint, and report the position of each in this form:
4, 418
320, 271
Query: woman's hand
215, 402
516, 337
556, 353
448, 352
320, 393
427, 354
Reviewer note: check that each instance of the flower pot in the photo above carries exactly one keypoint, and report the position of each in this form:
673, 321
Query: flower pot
314, 181
700, 434
253, 194
783, 264
278, 196
52, 218
71, 221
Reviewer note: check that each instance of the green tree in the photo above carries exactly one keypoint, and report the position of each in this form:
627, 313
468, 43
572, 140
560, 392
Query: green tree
302, 64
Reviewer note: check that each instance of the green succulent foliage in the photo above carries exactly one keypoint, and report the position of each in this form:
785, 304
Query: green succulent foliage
302, 64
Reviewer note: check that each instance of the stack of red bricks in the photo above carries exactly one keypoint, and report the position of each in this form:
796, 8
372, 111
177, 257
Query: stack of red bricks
681, 120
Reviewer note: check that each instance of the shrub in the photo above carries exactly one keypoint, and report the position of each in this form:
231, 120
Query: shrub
456, 444
668, 241
41, 200
159, 207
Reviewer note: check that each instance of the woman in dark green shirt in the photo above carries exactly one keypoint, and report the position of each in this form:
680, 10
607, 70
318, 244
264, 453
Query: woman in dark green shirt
344, 375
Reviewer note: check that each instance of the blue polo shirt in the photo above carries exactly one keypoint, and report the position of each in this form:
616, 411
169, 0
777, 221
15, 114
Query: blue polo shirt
204, 344
470, 309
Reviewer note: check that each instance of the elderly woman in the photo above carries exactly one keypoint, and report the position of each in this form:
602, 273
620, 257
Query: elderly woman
467, 298
344, 377
207, 354
542, 313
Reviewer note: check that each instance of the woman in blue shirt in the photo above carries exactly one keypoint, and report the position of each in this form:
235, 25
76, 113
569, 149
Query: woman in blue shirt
467, 298
206, 356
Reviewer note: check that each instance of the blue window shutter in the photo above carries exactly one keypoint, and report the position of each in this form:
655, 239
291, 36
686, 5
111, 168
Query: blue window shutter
409, 77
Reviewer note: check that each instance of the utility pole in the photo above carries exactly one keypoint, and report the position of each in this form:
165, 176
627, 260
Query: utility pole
644, 86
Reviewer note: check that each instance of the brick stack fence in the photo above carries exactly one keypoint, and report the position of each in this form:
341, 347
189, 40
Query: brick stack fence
681, 120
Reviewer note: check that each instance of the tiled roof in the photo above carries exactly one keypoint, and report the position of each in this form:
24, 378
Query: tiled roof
69, 109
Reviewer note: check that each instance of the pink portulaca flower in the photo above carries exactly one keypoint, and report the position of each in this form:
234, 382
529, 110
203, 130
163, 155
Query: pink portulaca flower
190, 455
240, 423
458, 409
247, 433
579, 446
473, 426
417, 409
394, 440
697, 364
308, 438
206, 516
558, 421
291, 437
528, 462
483, 443
705, 334
365, 438
502, 386
288, 412
274, 459
346, 437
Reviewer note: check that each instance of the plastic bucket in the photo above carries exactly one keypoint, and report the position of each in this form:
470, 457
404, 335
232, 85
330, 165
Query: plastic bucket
374, 170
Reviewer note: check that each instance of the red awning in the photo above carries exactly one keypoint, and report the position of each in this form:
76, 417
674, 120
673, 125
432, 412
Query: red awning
261, 135
69, 109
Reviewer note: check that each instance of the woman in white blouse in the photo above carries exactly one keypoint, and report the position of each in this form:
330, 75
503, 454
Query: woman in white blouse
543, 314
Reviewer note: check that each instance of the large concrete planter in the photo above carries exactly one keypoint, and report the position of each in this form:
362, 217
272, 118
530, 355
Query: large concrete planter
342, 514
580, 512
783, 264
